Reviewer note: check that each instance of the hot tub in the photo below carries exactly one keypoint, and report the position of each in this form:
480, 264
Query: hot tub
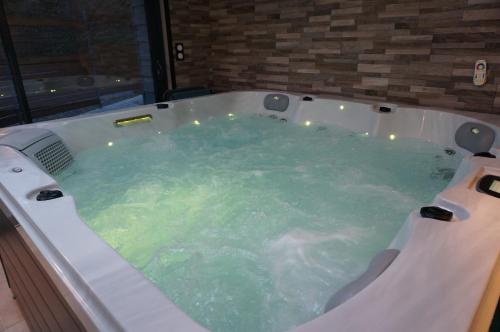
67, 278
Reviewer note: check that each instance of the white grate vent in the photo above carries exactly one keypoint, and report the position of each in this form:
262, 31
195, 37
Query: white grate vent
54, 157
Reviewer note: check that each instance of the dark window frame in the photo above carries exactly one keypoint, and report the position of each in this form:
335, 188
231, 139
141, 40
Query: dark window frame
23, 110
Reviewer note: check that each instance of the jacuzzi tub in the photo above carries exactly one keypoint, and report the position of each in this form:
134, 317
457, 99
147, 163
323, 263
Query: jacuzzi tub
437, 283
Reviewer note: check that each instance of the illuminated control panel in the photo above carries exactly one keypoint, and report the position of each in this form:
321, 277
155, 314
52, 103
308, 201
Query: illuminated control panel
490, 185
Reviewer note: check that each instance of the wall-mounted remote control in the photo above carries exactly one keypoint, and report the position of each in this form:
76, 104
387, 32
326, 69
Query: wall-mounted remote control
480, 72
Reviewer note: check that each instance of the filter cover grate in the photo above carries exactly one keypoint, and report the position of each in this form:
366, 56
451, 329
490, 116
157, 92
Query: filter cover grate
55, 157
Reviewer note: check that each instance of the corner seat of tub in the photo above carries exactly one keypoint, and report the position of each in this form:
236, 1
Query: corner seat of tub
377, 266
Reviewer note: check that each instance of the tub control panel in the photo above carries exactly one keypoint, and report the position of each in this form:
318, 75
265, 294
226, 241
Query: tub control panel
490, 185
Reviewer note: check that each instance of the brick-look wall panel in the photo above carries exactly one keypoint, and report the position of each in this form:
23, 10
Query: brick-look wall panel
191, 26
413, 52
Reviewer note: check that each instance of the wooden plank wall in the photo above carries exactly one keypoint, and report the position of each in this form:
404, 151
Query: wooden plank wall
418, 52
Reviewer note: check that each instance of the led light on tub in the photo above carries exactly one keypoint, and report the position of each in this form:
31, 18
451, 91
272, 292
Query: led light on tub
133, 120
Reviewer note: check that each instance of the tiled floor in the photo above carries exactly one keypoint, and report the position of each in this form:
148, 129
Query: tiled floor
11, 319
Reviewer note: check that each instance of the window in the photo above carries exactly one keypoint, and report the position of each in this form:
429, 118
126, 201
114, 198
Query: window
76, 56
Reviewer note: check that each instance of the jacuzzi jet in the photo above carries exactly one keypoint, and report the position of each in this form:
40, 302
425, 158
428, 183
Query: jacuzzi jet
450, 152
443, 173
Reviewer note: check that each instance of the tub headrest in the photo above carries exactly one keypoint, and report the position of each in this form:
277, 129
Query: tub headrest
475, 137
276, 102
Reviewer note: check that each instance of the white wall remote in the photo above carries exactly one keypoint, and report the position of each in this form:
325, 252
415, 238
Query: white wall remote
480, 72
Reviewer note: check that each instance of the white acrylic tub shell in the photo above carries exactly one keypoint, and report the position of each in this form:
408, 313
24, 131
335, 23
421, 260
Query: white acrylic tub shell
435, 284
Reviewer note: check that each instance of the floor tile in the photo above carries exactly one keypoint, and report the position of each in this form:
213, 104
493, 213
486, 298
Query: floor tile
19, 327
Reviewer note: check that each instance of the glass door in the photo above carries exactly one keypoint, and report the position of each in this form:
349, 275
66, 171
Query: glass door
77, 56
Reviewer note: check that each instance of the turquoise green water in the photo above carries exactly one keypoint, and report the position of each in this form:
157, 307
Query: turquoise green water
248, 223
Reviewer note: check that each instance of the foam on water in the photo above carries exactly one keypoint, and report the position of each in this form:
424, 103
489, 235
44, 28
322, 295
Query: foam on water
250, 224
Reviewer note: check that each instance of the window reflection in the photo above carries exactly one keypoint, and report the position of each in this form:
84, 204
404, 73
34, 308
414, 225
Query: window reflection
76, 56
